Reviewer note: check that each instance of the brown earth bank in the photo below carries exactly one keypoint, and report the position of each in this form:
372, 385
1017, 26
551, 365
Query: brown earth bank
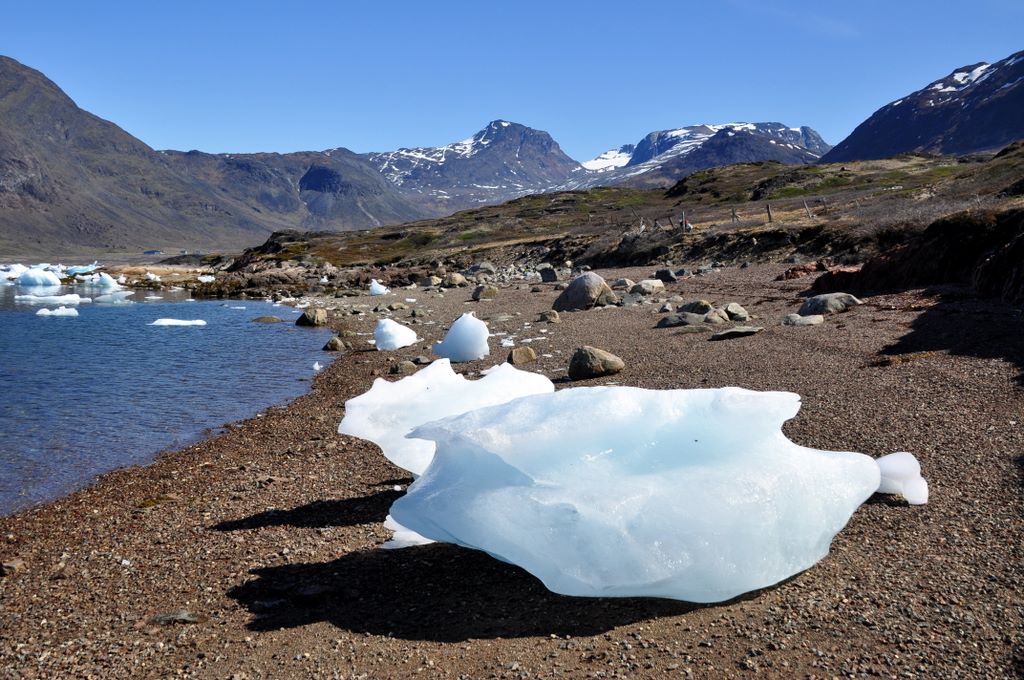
256, 553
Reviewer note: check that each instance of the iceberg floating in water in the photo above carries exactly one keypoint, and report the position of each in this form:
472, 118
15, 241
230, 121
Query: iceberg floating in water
60, 311
11, 272
466, 340
38, 277
83, 269
377, 288
694, 495
390, 410
178, 322
389, 335
69, 299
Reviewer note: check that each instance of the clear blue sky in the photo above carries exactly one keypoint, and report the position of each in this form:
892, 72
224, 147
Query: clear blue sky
287, 76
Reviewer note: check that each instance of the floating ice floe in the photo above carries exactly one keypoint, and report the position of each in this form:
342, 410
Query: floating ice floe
154, 297
206, 278
83, 269
389, 335
11, 272
115, 297
38, 277
390, 410
694, 495
317, 367
60, 311
377, 288
178, 322
466, 340
69, 299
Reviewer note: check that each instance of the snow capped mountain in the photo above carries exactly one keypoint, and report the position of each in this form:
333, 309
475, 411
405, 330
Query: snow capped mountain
660, 156
974, 108
504, 160
611, 159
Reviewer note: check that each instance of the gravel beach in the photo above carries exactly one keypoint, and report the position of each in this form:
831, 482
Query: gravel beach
254, 554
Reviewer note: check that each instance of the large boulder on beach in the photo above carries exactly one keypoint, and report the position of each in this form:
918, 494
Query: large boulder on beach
485, 292
312, 317
585, 291
647, 287
828, 303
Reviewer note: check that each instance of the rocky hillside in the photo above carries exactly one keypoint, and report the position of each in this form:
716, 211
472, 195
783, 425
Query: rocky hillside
73, 182
975, 108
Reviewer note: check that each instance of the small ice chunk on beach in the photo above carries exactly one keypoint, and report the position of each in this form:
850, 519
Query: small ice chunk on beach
376, 288
390, 410
178, 322
466, 340
389, 335
152, 277
60, 311
206, 278
901, 474
317, 367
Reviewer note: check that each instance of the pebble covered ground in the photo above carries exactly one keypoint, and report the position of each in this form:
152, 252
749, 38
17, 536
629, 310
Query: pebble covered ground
254, 554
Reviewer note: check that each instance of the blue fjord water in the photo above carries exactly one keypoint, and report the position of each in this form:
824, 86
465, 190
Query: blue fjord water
83, 395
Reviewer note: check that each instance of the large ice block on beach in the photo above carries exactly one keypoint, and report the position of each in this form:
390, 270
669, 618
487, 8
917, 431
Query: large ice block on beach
901, 474
390, 410
390, 335
466, 340
694, 495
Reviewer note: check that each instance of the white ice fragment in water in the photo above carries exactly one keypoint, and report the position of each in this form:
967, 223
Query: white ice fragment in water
390, 335
60, 311
390, 410
122, 279
317, 367
118, 296
901, 474
12, 271
376, 288
154, 297
69, 299
466, 340
694, 495
38, 277
178, 322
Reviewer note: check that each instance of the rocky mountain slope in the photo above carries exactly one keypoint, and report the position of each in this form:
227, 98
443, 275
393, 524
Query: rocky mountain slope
71, 182
663, 157
500, 162
975, 108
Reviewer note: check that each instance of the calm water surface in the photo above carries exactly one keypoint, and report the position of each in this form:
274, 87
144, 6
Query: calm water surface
83, 395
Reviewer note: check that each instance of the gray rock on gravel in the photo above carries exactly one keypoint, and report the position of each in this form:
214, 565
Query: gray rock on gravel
623, 284
716, 316
736, 312
312, 317
797, 320
696, 307
12, 566
680, 319
519, 356
828, 303
485, 292
647, 287
454, 280
336, 344
549, 315
737, 332
585, 291
591, 362
666, 276
548, 274
403, 368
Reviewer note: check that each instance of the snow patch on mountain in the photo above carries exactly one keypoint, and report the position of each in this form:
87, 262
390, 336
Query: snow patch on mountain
611, 159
